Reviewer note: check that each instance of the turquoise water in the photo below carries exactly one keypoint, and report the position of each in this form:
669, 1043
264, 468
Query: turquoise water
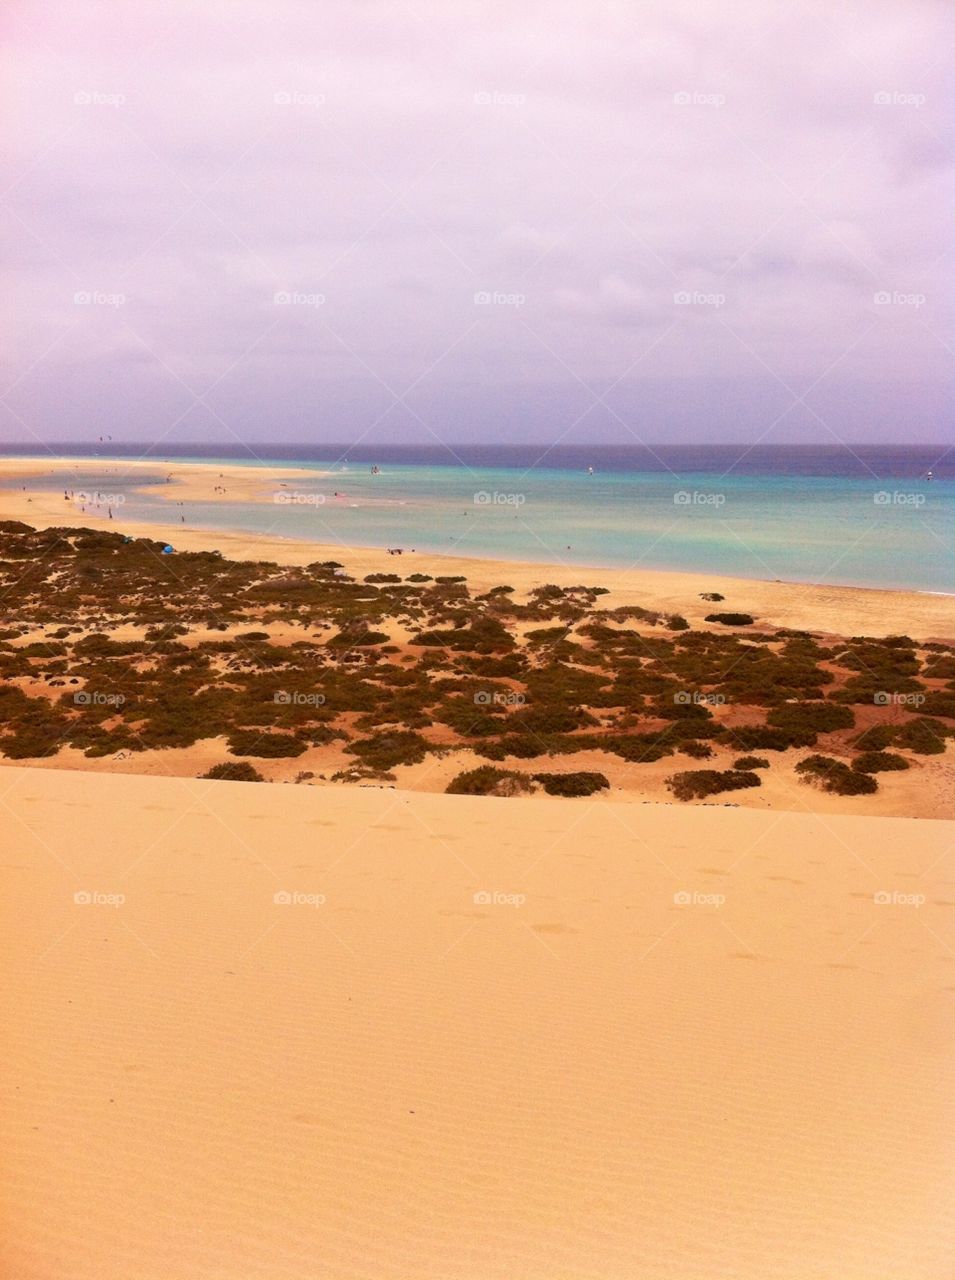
825, 529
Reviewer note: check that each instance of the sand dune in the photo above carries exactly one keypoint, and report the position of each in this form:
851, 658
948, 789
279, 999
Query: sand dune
604, 1079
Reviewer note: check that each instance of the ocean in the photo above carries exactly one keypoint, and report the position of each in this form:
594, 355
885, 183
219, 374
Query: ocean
865, 517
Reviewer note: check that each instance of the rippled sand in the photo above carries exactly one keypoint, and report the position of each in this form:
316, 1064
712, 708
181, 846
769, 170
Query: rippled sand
473, 1038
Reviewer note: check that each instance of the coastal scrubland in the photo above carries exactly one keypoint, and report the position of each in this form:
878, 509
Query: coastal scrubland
112, 650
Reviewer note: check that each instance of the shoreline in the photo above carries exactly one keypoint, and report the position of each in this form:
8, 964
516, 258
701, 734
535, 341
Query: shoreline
833, 609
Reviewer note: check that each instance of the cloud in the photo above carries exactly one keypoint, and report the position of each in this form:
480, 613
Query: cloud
612, 301
399, 161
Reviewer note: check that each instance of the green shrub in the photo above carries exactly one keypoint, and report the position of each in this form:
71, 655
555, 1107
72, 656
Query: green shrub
879, 762
488, 781
698, 750
835, 777
43, 649
519, 745
234, 771
811, 717
267, 746
550, 719
751, 762
385, 750
876, 738
925, 736
169, 631
759, 737
357, 638
30, 744
731, 619
939, 703
572, 784
639, 748
547, 635
694, 784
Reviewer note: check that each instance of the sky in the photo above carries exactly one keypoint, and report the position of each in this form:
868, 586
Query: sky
253, 221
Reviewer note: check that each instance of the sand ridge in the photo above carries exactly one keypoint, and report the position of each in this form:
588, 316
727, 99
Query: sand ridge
475, 1038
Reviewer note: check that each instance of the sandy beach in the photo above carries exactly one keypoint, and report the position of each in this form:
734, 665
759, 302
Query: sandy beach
834, 610
471, 1038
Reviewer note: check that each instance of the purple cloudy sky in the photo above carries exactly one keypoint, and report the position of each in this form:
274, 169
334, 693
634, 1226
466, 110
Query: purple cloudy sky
662, 220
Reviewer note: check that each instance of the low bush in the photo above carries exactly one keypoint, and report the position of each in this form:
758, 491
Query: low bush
876, 738
879, 762
835, 777
761, 737
267, 746
751, 762
924, 736
572, 784
234, 771
519, 745
694, 784
939, 703
385, 750
731, 619
488, 781
811, 717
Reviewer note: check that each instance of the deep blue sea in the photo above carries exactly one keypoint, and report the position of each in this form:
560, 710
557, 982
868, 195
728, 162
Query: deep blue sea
868, 516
